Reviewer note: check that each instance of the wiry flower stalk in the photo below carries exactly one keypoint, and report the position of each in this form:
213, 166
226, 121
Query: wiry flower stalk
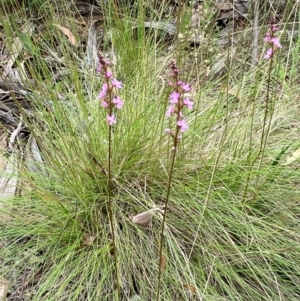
275, 45
177, 102
110, 101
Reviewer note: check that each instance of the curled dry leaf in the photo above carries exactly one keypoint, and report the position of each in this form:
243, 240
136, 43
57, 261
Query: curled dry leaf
143, 219
190, 288
68, 33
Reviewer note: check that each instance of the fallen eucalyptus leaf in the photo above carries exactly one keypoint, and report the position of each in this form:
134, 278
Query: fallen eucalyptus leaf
68, 33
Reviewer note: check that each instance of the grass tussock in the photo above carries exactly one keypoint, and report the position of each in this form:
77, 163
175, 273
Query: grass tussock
232, 222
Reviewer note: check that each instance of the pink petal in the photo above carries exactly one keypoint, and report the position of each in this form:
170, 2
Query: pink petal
104, 104
111, 119
174, 96
116, 83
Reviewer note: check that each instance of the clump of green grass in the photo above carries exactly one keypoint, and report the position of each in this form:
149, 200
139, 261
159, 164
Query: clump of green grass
227, 235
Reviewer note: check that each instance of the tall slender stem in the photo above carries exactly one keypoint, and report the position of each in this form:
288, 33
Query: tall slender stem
165, 214
110, 212
109, 103
178, 101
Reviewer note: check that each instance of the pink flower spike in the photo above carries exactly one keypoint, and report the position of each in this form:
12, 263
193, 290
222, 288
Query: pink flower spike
183, 125
118, 102
111, 119
187, 102
170, 111
116, 83
268, 54
104, 104
174, 96
185, 87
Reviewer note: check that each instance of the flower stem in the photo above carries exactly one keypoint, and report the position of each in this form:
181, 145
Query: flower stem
175, 142
110, 101
110, 210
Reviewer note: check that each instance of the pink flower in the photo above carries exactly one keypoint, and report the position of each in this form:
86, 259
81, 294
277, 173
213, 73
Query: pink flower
267, 38
108, 74
275, 41
103, 92
170, 111
268, 54
99, 68
185, 87
174, 96
104, 104
183, 125
188, 103
116, 83
168, 130
118, 102
274, 28
111, 119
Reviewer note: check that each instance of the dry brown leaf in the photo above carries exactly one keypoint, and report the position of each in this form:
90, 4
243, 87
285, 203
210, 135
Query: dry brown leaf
68, 33
143, 219
190, 288
3, 289
88, 239
224, 6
